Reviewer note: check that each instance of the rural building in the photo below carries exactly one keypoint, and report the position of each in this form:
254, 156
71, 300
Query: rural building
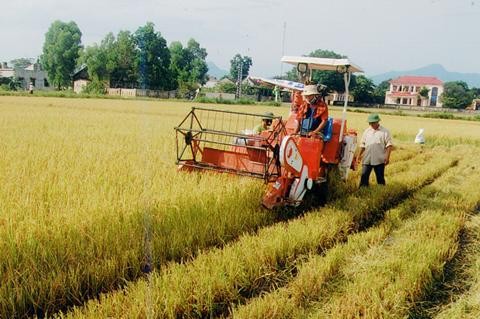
211, 82
32, 74
475, 105
5, 71
405, 90
337, 98
80, 78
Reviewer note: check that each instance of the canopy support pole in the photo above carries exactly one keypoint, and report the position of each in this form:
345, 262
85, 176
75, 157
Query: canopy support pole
346, 79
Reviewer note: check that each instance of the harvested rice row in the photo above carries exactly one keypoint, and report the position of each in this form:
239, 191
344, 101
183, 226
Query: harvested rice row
467, 305
390, 279
208, 285
321, 273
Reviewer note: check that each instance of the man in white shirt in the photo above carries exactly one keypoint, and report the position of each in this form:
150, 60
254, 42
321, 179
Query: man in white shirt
375, 149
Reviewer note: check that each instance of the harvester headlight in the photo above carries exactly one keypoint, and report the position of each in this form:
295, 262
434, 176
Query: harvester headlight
302, 67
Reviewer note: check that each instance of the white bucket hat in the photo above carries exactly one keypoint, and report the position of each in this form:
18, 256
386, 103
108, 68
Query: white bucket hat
310, 90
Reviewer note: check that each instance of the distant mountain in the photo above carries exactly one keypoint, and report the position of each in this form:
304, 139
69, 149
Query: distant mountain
472, 79
215, 71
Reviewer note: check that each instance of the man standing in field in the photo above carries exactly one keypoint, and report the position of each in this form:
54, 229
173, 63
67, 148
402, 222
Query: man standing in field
375, 148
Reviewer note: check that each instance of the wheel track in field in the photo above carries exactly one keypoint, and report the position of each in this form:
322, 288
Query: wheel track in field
456, 280
393, 195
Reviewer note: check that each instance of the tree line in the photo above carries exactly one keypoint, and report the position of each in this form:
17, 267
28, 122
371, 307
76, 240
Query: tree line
142, 59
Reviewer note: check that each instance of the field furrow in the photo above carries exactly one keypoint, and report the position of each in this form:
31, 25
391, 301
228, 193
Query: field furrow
319, 277
465, 305
214, 280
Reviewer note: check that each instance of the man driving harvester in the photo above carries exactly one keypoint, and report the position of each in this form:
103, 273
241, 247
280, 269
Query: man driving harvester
313, 113
312, 118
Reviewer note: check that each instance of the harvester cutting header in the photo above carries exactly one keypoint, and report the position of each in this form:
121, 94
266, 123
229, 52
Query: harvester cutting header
291, 155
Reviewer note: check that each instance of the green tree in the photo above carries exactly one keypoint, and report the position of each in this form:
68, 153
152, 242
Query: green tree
21, 63
246, 63
333, 80
94, 57
10, 84
61, 50
456, 95
112, 62
153, 59
379, 92
364, 90
226, 87
14, 84
199, 66
475, 92
424, 92
122, 60
188, 65
95, 87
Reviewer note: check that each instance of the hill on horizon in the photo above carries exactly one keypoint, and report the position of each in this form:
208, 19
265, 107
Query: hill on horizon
437, 70
215, 71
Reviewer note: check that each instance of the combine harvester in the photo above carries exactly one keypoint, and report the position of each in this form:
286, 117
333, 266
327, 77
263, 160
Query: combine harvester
291, 164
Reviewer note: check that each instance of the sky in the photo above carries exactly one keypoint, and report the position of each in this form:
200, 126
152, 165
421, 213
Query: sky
377, 35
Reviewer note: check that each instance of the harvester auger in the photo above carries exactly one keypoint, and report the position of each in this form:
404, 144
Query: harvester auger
220, 140
290, 163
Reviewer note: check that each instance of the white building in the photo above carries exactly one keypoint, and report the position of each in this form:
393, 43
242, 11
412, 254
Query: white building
33, 74
405, 90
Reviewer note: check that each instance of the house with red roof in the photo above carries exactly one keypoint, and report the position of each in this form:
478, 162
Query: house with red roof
412, 91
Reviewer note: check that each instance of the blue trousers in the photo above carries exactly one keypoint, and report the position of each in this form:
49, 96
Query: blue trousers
379, 174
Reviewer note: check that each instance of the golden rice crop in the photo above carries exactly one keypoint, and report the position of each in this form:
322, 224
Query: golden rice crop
90, 197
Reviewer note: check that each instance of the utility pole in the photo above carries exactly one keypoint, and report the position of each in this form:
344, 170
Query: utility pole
239, 80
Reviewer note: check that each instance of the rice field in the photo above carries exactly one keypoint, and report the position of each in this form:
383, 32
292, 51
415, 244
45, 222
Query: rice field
96, 222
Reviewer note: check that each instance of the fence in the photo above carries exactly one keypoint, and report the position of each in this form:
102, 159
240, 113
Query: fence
141, 93
227, 96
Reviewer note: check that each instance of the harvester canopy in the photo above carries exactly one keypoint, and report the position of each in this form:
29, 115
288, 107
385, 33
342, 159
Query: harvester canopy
323, 64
